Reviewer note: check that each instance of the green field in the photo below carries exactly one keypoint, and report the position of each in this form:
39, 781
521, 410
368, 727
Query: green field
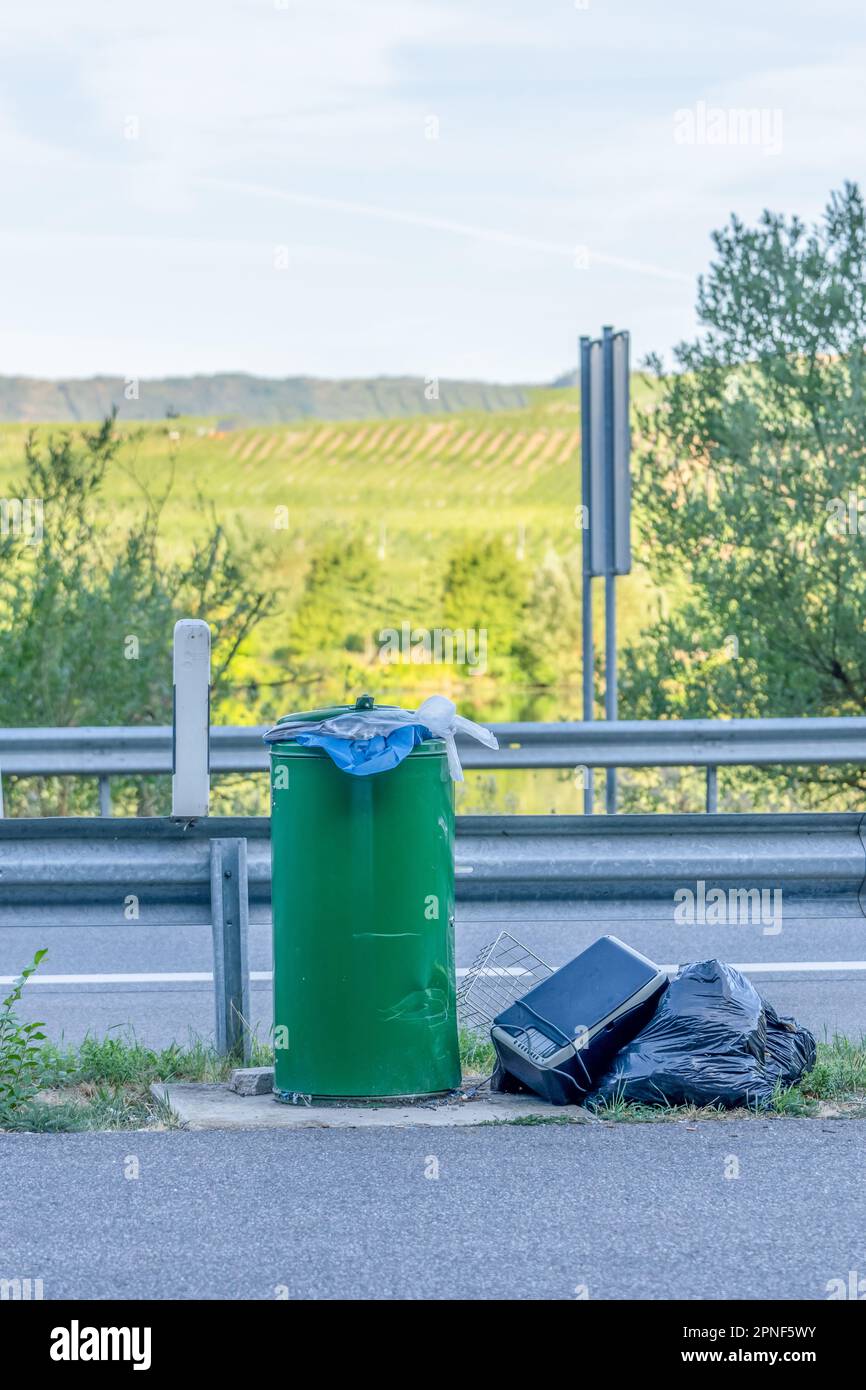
409, 492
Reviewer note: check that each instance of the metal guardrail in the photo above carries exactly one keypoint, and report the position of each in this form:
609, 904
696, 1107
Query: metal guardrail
111, 871
76, 871
92, 871
87, 871
65, 871
708, 743
647, 857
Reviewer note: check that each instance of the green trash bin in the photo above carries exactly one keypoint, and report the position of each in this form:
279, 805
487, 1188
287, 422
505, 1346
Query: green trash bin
363, 914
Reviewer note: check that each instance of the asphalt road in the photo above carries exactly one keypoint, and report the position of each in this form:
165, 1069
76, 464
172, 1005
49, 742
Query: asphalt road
162, 1009
622, 1211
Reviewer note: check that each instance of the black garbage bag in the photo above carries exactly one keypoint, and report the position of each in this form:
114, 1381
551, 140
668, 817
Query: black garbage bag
712, 1041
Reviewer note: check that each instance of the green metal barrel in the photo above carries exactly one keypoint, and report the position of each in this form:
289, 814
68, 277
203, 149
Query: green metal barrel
363, 912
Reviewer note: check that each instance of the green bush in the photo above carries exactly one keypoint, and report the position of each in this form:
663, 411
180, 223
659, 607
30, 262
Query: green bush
20, 1047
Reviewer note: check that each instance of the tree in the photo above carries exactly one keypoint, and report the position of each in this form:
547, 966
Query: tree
751, 494
87, 611
550, 645
485, 593
337, 608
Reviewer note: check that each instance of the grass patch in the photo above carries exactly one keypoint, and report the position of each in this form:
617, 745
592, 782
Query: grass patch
104, 1083
122, 1060
558, 1119
82, 1108
837, 1079
619, 1111
839, 1072
477, 1054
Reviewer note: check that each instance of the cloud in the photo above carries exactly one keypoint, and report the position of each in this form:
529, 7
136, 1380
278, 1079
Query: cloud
256, 125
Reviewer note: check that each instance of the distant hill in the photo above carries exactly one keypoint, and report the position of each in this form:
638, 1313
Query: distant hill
239, 398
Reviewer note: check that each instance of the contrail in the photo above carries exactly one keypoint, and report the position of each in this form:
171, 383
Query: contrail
442, 224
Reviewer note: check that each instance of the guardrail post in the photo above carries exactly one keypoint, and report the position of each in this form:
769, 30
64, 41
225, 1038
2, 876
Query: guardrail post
190, 782
229, 893
104, 796
712, 790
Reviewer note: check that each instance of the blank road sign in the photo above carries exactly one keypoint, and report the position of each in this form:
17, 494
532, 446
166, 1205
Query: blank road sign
607, 481
598, 504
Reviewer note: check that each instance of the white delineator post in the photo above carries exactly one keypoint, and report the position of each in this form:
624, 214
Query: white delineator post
190, 781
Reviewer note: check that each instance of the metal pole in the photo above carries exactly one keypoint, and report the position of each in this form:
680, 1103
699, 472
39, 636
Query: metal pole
229, 892
586, 593
712, 790
588, 682
104, 796
610, 691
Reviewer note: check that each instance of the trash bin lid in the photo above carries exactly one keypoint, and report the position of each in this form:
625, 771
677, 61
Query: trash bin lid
436, 716
309, 716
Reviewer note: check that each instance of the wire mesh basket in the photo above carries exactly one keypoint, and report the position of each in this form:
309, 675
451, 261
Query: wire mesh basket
502, 972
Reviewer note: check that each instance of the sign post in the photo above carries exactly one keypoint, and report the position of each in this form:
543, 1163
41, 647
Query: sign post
606, 497
586, 586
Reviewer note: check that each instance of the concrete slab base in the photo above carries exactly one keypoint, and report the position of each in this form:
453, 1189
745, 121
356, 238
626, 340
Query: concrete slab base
217, 1107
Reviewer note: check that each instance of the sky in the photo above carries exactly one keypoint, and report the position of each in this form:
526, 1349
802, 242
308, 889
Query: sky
443, 188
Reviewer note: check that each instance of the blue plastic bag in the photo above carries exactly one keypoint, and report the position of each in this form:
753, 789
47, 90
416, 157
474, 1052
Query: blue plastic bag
375, 738
363, 756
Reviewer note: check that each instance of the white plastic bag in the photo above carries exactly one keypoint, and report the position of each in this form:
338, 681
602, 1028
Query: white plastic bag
438, 714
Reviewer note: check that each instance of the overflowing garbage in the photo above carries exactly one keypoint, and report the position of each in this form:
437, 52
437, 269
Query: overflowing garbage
367, 738
564, 1034
712, 1041
609, 1026
502, 972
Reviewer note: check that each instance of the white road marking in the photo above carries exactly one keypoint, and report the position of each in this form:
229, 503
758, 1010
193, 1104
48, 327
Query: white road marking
761, 967
791, 966
766, 967
165, 978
